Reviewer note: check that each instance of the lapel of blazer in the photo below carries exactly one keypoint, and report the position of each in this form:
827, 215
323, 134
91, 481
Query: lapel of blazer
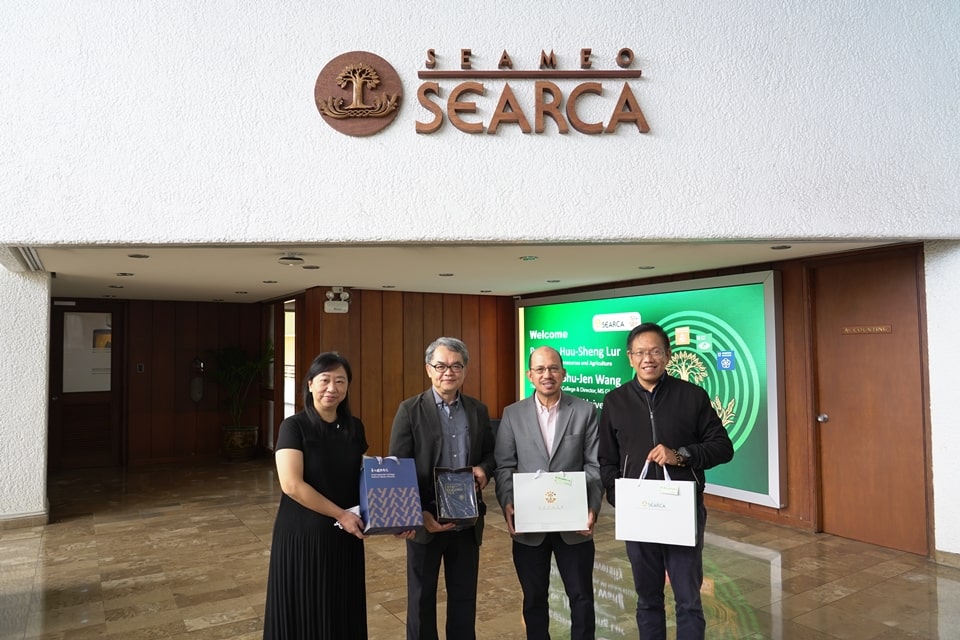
473, 428
432, 431
531, 428
564, 412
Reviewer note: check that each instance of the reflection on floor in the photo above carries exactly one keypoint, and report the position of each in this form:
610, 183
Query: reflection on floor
181, 552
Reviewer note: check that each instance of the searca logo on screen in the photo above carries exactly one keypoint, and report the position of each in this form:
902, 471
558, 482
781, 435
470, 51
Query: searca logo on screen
359, 94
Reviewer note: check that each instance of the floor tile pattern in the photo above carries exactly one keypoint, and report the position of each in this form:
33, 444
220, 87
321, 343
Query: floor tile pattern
178, 552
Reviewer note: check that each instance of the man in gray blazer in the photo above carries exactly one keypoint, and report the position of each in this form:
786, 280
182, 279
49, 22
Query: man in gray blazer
551, 431
441, 427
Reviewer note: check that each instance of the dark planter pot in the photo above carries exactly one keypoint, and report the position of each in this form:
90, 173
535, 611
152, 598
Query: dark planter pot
240, 443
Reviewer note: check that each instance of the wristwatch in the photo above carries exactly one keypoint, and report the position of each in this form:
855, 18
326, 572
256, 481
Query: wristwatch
683, 456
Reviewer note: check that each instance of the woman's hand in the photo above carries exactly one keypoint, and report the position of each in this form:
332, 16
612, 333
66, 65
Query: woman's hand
351, 523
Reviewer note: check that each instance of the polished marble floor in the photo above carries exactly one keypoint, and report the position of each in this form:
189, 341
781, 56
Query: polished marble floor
181, 552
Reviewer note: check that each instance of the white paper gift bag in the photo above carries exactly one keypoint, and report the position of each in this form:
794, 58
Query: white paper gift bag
662, 511
550, 501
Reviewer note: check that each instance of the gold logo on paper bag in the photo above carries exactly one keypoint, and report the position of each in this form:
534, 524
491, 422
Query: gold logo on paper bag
356, 109
550, 497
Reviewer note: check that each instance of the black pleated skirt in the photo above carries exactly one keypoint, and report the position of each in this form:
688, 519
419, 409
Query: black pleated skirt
316, 583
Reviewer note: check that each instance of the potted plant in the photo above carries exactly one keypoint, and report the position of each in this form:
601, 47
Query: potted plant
236, 371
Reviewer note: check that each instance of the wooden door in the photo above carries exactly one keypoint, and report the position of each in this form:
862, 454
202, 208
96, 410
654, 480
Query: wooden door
871, 399
85, 417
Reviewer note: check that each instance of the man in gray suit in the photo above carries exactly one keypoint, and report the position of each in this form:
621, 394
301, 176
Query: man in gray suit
442, 427
551, 431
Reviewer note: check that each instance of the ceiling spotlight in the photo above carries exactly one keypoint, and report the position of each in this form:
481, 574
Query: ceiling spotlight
344, 295
290, 259
330, 295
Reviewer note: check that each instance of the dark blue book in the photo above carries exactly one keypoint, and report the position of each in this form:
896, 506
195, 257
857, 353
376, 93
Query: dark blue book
456, 496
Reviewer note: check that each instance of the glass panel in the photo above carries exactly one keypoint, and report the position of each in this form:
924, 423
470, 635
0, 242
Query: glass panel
87, 342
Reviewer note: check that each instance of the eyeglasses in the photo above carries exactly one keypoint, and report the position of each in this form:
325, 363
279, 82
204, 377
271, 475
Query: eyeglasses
656, 354
440, 367
542, 370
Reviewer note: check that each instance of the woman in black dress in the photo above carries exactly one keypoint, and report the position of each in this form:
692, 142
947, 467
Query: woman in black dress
315, 588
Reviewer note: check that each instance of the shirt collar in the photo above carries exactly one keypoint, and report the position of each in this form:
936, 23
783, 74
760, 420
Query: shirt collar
440, 401
540, 406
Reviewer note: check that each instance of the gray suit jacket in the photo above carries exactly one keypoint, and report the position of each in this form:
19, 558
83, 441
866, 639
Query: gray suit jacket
417, 434
520, 449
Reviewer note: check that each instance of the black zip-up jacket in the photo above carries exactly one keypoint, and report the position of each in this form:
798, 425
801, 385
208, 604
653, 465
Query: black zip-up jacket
681, 417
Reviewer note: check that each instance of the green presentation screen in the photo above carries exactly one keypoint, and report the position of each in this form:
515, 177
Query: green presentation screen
725, 336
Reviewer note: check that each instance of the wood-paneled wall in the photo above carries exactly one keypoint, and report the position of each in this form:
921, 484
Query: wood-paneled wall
163, 424
384, 336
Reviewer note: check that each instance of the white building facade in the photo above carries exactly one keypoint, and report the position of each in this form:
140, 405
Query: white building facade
142, 123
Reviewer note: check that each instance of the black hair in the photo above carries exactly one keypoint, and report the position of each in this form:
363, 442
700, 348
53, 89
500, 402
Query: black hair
328, 361
647, 327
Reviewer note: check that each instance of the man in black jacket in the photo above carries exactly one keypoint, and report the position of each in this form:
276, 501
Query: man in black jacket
669, 422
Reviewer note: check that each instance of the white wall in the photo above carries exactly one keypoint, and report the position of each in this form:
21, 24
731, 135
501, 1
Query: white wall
943, 309
148, 122
24, 324
151, 122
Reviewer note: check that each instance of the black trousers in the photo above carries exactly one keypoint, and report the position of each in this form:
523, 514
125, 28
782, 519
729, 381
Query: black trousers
460, 555
684, 565
575, 563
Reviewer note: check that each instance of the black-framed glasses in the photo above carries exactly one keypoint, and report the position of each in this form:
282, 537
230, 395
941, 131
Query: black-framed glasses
440, 367
656, 354
554, 369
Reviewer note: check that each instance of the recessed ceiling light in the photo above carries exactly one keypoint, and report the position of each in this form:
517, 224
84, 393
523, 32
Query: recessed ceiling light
553, 281
310, 266
137, 255
486, 290
444, 275
116, 286
290, 259
646, 267
528, 258
124, 274
241, 293
781, 247
109, 295
218, 299
269, 282
389, 286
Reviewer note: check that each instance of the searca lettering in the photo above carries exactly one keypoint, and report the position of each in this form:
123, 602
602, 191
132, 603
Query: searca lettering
549, 101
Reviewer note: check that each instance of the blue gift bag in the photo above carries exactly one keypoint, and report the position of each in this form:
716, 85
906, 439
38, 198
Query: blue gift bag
389, 495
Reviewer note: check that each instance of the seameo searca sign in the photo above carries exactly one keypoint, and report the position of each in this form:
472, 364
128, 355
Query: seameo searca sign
359, 93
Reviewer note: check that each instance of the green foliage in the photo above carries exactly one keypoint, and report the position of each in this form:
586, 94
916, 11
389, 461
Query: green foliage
235, 370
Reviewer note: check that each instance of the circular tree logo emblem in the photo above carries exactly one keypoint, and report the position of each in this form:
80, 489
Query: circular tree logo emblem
358, 93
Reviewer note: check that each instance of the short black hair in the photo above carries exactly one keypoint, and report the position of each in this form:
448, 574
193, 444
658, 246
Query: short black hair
647, 327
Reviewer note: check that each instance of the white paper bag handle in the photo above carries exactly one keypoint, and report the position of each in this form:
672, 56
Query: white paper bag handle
380, 459
643, 472
539, 471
